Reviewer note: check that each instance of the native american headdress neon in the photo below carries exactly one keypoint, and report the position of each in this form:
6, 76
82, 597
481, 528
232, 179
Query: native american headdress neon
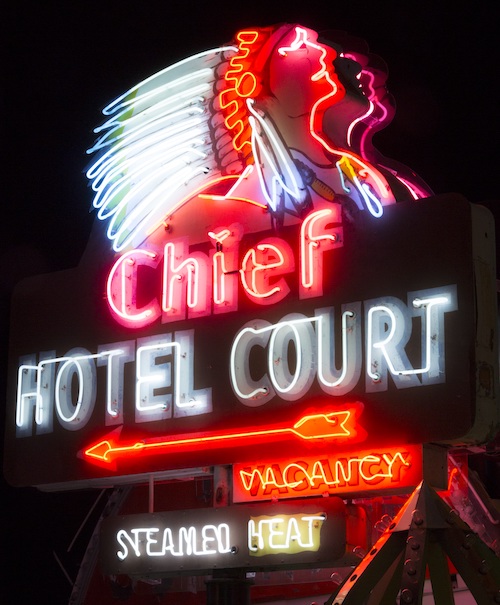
195, 125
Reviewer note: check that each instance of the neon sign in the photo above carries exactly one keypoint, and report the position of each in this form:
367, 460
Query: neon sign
149, 541
164, 136
266, 535
190, 288
336, 426
309, 340
343, 473
385, 340
227, 186
196, 391
284, 535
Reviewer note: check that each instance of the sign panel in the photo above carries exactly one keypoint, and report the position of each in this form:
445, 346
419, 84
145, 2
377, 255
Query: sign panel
338, 473
209, 390
283, 535
255, 279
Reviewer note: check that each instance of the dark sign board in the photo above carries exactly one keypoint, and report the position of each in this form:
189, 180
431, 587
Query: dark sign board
308, 533
89, 400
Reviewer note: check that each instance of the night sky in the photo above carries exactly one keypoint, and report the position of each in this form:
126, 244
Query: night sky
64, 61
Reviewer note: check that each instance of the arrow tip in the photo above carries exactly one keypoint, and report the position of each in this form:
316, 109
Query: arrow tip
99, 451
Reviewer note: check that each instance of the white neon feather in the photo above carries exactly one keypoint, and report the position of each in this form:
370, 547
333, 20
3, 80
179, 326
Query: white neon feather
280, 181
160, 143
155, 148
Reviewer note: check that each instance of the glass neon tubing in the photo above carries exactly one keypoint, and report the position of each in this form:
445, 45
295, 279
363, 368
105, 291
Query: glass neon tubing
193, 269
321, 377
294, 191
122, 100
39, 369
428, 303
279, 325
177, 355
313, 242
252, 290
127, 257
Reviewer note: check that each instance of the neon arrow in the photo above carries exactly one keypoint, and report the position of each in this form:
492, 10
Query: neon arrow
332, 425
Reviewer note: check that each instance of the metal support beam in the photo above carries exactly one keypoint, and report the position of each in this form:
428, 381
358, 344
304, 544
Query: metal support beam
228, 587
424, 533
439, 573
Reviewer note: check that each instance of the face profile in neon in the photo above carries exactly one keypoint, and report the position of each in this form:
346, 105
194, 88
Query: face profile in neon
325, 84
319, 106
303, 81
379, 112
225, 117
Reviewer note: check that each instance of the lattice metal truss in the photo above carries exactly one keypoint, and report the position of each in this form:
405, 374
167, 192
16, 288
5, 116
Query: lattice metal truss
113, 505
424, 535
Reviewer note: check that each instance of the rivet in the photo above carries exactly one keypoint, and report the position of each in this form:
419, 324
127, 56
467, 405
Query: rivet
410, 567
418, 518
467, 542
407, 596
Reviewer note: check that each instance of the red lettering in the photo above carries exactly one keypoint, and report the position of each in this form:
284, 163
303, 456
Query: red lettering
194, 284
122, 289
261, 266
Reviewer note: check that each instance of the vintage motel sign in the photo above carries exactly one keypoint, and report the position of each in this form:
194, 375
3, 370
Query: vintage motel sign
259, 278
284, 535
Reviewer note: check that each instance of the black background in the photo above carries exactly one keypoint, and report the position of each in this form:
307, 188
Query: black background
62, 62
